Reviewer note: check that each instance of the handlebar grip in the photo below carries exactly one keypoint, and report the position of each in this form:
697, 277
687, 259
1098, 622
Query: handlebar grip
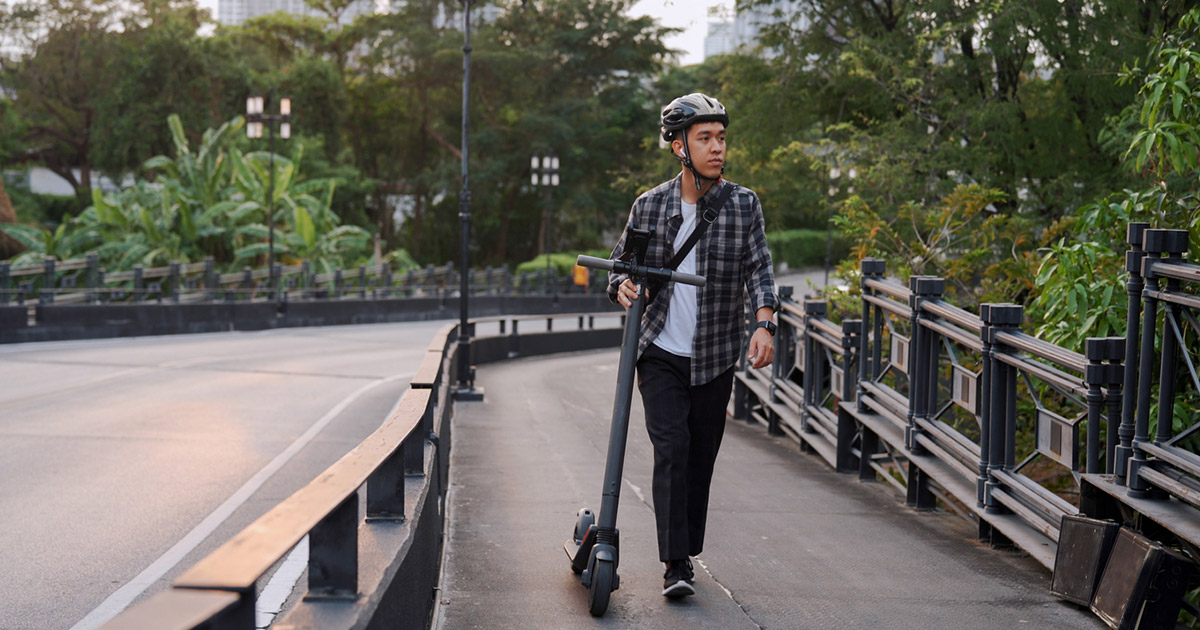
687, 278
594, 263
661, 274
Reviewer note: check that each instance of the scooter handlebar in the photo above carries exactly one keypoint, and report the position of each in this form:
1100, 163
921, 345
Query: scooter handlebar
650, 272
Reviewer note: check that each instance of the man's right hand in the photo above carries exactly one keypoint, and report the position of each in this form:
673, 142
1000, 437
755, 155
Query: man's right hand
627, 293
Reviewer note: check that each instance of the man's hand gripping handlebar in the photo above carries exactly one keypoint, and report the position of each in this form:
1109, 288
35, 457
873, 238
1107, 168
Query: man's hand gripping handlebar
628, 291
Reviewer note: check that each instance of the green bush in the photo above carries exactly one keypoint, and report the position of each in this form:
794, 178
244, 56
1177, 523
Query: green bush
798, 248
806, 248
562, 262
43, 209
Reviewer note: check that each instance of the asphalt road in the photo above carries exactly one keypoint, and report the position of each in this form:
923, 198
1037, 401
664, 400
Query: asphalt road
122, 462
791, 544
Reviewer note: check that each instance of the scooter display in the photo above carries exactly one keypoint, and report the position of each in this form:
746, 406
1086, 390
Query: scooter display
594, 545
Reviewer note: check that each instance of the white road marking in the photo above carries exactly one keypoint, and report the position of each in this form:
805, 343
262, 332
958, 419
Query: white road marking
279, 588
637, 491
125, 595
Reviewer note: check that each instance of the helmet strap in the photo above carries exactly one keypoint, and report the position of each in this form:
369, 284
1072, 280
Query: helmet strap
687, 162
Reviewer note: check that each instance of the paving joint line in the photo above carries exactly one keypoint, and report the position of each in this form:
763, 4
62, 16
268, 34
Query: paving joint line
728, 592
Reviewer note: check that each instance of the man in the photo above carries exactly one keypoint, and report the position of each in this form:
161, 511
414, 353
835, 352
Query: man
691, 336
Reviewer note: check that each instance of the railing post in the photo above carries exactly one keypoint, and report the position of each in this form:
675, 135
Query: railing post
813, 367
5, 282
386, 272
90, 276
987, 335
1176, 245
46, 295
872, 330
212, 285
414, 451
362, 282
922, 373
514, 340
385, 490
139, 283
248, 282
784, 342
333, 553
851, 331
1104, 371
173, 281
1159, 245
1000, 401
1134, 235
337, 283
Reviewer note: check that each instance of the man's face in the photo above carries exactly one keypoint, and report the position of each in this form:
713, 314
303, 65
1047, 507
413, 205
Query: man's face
706, 142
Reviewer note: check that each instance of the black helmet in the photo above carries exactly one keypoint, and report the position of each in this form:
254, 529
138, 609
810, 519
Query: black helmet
686, 111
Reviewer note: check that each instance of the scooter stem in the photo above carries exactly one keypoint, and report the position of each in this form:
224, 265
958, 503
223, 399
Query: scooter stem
615, 463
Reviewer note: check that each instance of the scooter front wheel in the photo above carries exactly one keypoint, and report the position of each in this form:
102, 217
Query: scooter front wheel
600, 588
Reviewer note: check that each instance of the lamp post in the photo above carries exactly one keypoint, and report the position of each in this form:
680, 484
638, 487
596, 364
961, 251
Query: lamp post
254, 129
465, 389
544, 172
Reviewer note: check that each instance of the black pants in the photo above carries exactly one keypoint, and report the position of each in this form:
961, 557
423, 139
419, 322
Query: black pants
685, 424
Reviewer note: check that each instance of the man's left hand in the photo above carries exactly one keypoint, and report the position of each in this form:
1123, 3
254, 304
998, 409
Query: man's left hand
762, 349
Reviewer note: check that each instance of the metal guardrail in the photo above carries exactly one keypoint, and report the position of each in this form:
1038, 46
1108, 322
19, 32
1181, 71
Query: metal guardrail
218, 592
412, 445
1009, 430
84, 281
1157, 469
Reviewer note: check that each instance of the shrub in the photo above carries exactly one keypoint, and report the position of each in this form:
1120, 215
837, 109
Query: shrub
806, 248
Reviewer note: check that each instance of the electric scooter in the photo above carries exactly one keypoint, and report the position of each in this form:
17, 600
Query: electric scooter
593, 547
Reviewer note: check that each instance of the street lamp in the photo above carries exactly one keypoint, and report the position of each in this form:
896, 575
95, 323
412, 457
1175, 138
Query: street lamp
465, 390
544, 172
254, 129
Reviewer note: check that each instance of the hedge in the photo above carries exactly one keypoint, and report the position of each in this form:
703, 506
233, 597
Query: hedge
805, 248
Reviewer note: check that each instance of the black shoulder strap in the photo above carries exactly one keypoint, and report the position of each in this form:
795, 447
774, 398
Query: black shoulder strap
710, 216
711, 212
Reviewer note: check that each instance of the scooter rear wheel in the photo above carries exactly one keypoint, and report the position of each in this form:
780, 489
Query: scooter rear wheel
601, 587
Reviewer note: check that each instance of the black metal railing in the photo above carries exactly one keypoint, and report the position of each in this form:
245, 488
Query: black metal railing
1005, 428
84, 281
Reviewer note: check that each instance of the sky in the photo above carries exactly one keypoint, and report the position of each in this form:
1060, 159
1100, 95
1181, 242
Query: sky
690, 15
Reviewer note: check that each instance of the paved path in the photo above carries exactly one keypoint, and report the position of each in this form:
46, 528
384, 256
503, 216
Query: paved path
791, 544
114, 453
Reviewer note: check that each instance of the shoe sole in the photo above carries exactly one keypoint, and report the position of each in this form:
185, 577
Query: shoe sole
678, 590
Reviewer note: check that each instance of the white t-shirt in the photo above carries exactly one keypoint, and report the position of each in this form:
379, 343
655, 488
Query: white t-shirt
676, 336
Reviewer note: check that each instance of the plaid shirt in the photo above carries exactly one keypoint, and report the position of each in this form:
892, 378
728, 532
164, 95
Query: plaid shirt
732, 255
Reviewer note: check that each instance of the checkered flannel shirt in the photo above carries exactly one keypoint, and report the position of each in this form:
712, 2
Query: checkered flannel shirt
733, 257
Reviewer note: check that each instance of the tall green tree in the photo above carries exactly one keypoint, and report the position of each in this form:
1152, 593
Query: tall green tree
56, 65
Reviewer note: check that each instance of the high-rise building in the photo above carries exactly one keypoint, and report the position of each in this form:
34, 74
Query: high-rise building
727, 36
233, 12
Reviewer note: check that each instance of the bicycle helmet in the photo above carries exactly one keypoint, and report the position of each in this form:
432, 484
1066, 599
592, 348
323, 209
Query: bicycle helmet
682, 113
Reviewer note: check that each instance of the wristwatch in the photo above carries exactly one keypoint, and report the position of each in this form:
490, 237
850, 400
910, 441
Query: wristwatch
768, 324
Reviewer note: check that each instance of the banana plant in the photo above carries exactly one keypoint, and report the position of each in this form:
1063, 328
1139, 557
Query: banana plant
310, 229
71, 239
